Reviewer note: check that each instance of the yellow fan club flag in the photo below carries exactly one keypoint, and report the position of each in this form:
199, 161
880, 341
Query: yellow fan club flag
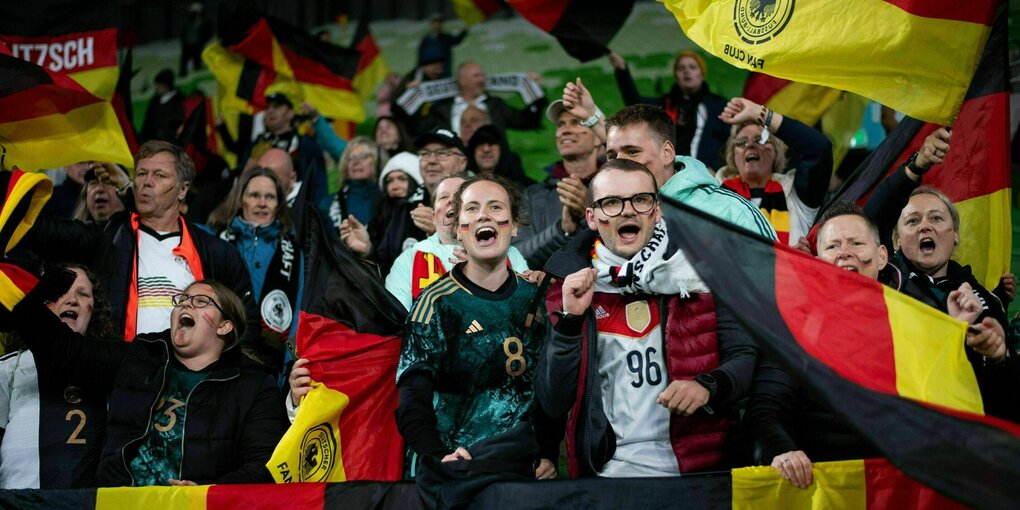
916, 57
310, 450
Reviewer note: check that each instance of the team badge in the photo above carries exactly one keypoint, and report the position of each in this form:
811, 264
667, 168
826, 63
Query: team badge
276, 311
638, 315
318, 453
758, 21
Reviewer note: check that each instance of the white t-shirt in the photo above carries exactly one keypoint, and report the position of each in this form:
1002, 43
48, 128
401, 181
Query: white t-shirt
161, 276
19, 416
632, 374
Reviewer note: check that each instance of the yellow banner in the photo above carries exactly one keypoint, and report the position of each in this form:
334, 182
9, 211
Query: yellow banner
310, 450
869, 47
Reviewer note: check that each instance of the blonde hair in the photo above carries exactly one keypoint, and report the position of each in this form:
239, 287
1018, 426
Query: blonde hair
778, 163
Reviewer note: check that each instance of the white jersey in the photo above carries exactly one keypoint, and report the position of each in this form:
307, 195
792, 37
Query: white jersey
632, 374
161, 275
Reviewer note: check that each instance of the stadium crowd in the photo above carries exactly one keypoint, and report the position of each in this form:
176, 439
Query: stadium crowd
158, 347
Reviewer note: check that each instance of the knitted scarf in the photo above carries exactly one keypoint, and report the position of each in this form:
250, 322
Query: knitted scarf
773, 204
651, 271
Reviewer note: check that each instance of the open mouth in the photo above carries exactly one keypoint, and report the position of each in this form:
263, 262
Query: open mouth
628, 232
486, 236
752, 157
69, 314
185, 321
927, 245
851, 268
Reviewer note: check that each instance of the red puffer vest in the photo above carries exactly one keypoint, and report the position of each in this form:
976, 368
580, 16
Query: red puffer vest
691, 349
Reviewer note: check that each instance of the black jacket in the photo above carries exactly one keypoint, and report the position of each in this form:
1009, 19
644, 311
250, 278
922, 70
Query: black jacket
110, 248
235, 417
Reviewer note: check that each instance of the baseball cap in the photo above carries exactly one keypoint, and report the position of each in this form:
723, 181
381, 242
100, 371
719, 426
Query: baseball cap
440, 135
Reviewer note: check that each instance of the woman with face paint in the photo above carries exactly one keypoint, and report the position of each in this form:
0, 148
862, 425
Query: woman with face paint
185, 407
472, 340
53, 425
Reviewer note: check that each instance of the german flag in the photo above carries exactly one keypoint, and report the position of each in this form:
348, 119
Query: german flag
582, 28
869, 484
891, 367
70, 37
975, 173
122, 101
472, 12
350, 329
914, 56
838, 113
321, 73
371, 66
50, 120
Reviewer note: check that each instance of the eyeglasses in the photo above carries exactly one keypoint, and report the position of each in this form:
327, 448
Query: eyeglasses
438, 153
744, 142
198, 301
641, 203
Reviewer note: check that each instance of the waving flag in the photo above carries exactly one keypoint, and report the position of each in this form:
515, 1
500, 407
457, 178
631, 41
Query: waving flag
56, 100
976, 171
350, 330
582, 28
70, 37
49, 120
321, 73
371, 66
914, 56
891, 367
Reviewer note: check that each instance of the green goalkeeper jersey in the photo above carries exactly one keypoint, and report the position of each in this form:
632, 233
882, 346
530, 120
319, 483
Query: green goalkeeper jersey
481, 348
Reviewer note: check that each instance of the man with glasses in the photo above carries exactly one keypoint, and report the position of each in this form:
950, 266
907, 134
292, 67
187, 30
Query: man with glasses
440, 153
645, 364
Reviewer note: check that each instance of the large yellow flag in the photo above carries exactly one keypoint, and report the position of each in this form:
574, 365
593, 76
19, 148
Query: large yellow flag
916, 57
310, 450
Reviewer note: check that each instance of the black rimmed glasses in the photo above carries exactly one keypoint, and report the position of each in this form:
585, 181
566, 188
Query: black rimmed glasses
641, 203
198, 301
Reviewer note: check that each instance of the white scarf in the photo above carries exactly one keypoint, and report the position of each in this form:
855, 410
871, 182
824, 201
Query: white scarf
649, 271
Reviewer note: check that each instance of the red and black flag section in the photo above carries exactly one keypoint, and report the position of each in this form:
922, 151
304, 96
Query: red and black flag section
49, 120
976, 171
889, 366
371, 67
583, 28
350, 330
302, 66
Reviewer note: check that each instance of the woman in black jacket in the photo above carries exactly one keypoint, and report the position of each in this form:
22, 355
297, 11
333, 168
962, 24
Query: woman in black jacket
185, 407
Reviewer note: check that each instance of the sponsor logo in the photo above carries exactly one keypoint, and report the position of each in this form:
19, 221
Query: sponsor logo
759, 21
318, 453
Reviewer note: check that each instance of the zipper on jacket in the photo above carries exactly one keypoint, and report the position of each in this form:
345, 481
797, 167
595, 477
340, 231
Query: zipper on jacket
592, 362
184, 425
123, 449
